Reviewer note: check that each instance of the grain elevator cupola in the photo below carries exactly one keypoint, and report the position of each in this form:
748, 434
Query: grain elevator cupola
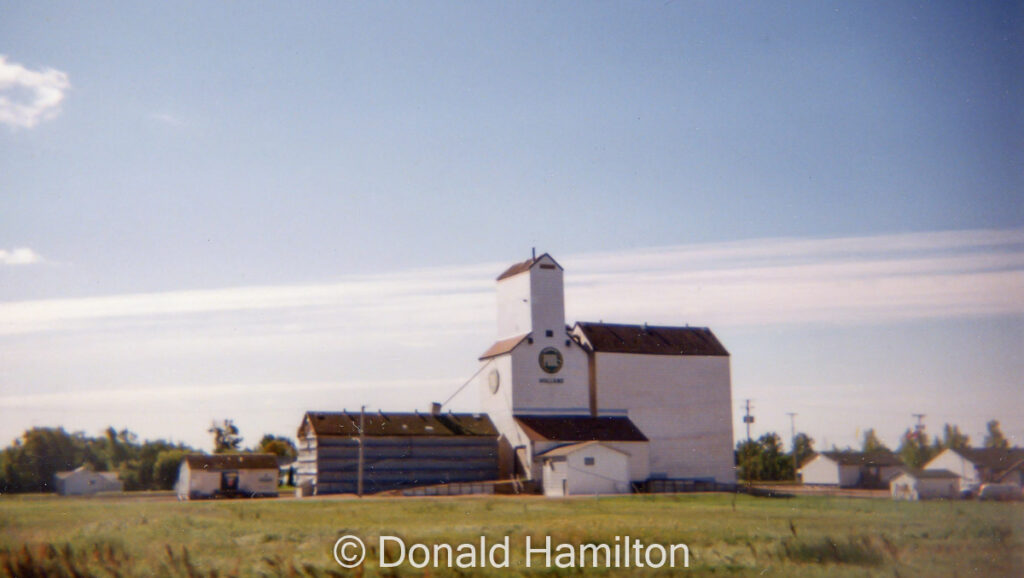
531, 299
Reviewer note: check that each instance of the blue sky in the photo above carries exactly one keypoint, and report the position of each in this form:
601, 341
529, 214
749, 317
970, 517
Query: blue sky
309, 202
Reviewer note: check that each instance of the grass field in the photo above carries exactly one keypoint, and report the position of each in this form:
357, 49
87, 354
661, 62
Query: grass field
726, 534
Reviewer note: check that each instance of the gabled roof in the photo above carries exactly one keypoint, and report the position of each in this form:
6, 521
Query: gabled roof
503, 346
650, 339
562, 451
232, 462
86, 469
879, 458
1004, 474
931, 474
82, 468
525, 266
346, 424
572, 428
995, 459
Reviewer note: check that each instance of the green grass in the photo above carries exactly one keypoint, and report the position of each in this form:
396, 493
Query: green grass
726, 535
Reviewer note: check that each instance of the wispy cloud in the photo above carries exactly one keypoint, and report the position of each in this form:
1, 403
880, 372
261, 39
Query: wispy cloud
856, 280
29, 96
19, 256
850, 280
171, 361
167, 119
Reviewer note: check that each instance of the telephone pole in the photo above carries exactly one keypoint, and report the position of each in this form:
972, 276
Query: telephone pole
362, 439
792, 440
748, 419
919, 428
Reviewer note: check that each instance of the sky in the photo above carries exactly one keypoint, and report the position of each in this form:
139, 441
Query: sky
251, 210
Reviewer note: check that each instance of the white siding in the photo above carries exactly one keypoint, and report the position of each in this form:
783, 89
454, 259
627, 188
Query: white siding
199, 483
547, 297
532, 301
821, 471
84, 482
683, 404
514, 306
534, 392
203, 484
607, 474
257, 482
952, 461
909, 487
637, 458
849, 476
555, 478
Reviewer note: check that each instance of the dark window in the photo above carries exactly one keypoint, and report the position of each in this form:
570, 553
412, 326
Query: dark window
588, 461
549, 333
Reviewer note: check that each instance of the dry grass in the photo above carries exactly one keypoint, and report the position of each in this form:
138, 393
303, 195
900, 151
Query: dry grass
731, 535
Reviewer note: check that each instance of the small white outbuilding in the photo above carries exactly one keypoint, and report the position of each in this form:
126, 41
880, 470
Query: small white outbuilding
83, 481
586, 468
925, 485
851, 469
227, 475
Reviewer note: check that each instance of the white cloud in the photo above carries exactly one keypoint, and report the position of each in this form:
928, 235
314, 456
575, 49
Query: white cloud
171, 361
774, 281
19, 256
29, 96
167, 119
857, 280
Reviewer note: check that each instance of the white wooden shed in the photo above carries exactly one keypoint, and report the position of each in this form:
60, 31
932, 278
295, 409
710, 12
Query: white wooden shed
586, 468
851, 469
227, 475
925, 485
83, 481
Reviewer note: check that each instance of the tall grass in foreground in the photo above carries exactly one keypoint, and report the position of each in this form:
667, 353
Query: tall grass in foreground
726, 534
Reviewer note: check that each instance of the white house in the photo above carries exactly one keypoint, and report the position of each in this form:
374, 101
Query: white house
851, 469
227, 475
83, 481
925, 485
545, 433
665, 390
586, 468
977, 466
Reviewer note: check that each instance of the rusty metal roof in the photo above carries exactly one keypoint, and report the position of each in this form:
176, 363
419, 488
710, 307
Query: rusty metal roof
503, 346
573, 428
651, 339
232, 462
525, 266
562, 451
397, 424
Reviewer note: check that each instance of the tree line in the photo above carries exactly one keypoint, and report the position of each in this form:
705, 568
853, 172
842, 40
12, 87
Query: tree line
31, 462
763, 459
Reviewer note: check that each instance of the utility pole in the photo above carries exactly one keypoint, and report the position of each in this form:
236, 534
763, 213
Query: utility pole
919, 428
362, 439
792, 440
748, 419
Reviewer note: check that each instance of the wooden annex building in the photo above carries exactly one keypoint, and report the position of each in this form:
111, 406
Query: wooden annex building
400, 450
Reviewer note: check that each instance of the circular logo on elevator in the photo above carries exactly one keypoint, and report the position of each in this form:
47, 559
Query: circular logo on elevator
551, 360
